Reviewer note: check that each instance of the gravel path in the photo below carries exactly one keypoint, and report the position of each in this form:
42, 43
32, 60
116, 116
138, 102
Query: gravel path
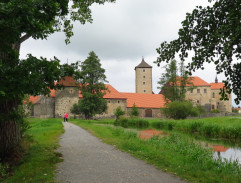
88, 160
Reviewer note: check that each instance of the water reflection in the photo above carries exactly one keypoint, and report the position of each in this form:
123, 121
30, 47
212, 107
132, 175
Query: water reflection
232, 154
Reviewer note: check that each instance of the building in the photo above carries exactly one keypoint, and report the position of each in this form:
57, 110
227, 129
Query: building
148, 103
207, 94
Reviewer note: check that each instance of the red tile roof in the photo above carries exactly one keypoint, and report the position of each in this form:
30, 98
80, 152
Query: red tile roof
216, 86
67, 81
196, 81
112, 93
33, 99
143, 100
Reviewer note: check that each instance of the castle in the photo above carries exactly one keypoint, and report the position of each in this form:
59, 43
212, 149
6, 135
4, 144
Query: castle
148, 103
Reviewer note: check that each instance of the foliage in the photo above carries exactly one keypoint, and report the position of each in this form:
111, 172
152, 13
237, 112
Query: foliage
215, 111
19, 22
221, 127
234, 110
132, 122
200, 109
213, 34
4, 168
173, 83
178, 110
134, 111
118, 112
92, 87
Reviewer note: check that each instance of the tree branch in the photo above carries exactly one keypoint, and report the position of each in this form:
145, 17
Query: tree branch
24, 38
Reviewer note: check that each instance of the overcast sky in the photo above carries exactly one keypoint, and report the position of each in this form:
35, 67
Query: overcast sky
121, 33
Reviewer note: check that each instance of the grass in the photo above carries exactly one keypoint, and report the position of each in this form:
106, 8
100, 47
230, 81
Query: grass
175, 153
219, 127
39, 162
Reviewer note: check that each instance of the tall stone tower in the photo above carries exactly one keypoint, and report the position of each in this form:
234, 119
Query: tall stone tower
143, 77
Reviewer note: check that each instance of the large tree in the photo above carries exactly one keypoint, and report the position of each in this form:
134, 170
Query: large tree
173, 82
20, 20
92, 87
213, 33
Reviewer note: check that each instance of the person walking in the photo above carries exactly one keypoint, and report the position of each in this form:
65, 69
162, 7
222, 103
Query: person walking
66, 116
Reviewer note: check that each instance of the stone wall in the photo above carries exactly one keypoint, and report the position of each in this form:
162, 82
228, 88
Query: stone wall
200, 95
44, 108
221, 105
155, 113
144, 80
64, 100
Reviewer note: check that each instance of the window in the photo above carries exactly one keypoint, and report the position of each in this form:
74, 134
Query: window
191, 91
198, 101
118, 101
144, 83
144, 91
198, 90
144, 70
205, 90
144, 76
213, 95
108, 101
213, 107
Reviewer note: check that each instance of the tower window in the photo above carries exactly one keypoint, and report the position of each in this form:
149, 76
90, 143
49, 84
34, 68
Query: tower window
144, 70
213, 95
144, 83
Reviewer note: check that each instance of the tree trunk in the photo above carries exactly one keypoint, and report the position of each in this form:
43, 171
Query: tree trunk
9, 130
9, 126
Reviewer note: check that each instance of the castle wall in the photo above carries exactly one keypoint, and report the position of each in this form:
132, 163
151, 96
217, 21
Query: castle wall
200, 95
156, 113
45, 108
144, 80
221, 105
64, 100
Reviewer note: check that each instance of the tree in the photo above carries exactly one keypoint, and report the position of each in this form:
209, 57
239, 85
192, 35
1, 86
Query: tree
213, 34
173, 85
21, 20
92, 87
118, 112
134, 111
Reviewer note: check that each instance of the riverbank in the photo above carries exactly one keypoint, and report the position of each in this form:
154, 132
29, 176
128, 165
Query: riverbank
175, 154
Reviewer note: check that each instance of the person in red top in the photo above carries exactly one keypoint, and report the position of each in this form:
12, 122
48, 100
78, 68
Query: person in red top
66, 117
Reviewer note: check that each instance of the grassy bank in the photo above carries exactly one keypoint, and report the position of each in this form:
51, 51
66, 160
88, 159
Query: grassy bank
174, 153
220, 127
39, 162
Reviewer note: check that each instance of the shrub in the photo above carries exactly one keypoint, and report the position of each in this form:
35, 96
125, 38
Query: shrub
134, 111
215, 111
118, 112
178, 110
194, 112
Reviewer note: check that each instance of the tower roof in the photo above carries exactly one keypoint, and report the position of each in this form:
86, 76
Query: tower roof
143, 64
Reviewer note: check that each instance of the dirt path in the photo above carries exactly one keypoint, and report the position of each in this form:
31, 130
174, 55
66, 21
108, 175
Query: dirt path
88, 160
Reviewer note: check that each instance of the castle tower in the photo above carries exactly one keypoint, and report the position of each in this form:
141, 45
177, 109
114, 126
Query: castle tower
143, 77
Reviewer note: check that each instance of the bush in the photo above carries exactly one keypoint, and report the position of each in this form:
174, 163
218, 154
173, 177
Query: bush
118, 112
134, 111
215, 111
178, 110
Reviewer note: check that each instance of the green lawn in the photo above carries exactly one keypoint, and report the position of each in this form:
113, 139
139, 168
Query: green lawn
39, 162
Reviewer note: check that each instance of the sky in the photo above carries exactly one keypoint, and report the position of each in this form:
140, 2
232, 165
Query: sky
121, 34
